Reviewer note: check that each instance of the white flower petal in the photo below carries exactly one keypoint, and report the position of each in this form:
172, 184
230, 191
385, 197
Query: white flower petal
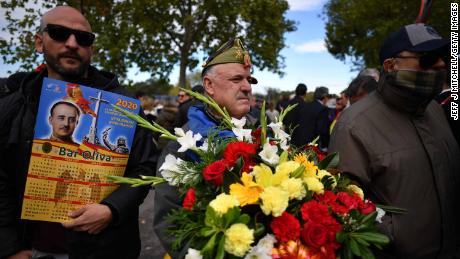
380, 214
188, 141
269, 153
179, 132
193, 254
242, 134
239, 123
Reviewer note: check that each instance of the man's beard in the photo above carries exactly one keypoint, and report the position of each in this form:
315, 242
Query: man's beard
65, 73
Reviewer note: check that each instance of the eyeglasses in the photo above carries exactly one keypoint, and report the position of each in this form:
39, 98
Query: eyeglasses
425, 60
61, 34
180, 95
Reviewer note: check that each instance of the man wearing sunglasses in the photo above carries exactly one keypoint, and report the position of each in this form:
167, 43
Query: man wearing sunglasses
105, 230
397, 143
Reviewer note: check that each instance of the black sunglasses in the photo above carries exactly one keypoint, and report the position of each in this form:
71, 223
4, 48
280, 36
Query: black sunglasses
427, 59
61, 34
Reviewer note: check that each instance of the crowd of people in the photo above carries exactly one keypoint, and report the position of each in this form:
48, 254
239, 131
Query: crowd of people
392, 136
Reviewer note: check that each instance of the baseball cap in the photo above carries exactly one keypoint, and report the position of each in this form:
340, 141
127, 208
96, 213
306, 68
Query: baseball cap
417, 37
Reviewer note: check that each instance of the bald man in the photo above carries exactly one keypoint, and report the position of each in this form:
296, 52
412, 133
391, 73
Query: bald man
105, 230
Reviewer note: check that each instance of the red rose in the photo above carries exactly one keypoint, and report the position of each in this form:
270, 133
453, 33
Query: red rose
366, 207
332, 225
189, 199
350, 201
314, 234
215, 172
314, 211
285, 227
256, 135
320, 154
235, 150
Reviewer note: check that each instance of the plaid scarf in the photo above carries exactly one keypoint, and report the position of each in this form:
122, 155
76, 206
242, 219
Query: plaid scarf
424, 84
409, 90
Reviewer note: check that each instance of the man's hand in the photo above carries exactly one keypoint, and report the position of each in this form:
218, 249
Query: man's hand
24, 254
91, 218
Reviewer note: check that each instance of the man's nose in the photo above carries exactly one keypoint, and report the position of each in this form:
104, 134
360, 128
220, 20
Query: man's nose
440, 64
246, 86
71, 42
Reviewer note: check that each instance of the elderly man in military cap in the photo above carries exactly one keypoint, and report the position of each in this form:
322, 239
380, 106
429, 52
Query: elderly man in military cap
226, 79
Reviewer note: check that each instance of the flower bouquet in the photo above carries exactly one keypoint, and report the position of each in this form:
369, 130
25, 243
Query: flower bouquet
253, 196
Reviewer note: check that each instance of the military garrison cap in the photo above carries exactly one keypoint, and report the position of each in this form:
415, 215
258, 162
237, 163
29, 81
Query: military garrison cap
233, 51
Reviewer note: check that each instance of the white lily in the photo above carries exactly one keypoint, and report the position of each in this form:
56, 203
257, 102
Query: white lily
239, 123
279, 132
269, 153
380, 214
193, 254
186, 140
169, 168
205, 145
263, 249
243, 134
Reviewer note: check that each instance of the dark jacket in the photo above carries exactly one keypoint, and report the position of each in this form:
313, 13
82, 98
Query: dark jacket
445, 100
17, 121
182, 118
409, 160
291, 120
313, 121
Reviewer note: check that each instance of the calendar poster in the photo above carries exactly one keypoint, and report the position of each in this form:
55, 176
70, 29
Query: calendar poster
79, 139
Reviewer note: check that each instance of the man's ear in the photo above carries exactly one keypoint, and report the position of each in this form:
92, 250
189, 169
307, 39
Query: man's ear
38, 42
208, 86
389, 65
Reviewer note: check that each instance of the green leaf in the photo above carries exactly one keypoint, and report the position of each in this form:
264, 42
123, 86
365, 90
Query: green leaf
330, 161
361, 241
230, 217
208, 249
297, 173
244, 219
207, 231
259, 229
263, 125
372, 237
354, 247
212, 219
369, 219
366, 253
220, 248
341, 236
284, 157
392, 209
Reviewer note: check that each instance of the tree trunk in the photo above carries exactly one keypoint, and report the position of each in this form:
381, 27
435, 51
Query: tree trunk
183, 70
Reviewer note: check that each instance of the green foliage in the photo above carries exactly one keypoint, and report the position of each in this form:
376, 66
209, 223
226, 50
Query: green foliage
359, 235
155, 35
151, 87
356, 29
330, 161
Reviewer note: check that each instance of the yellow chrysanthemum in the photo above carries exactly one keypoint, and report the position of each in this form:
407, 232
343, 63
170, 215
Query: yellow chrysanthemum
223, 202
238, 239
274, 201
314, 185
263, 175
294, 187
310, 167
357, 190
246, 193
321, 173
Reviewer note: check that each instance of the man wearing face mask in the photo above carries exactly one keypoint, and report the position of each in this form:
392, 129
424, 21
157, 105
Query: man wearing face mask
398, 145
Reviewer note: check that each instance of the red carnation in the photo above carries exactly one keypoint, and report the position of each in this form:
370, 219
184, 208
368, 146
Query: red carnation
314, 211
285, 227
350, 201
189, 199
215, 172
256, 135
235, 150
329, 198
314, 234
366, 207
